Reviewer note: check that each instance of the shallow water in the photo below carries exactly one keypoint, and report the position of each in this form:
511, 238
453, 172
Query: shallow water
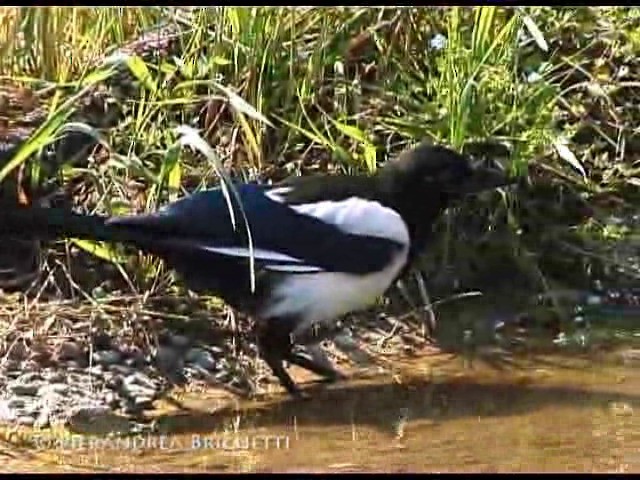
431, 413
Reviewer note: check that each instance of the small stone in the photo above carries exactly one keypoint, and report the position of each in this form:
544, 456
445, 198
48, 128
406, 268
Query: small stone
10, 365
169, 360
135, 362
96, 370
101, 341
15, 403
28, 365
114, 383
112, 399
19, 351
73, 366
30, 377
215, 350
201, 357
180, 341
106, 357
42, 357
57, 388
120, 369
143, 402
140, 379
69, 351
25, 420
25, 388
134, 391
57, 377
86, 414
137, 384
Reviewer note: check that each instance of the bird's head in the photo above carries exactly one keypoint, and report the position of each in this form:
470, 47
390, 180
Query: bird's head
438, 171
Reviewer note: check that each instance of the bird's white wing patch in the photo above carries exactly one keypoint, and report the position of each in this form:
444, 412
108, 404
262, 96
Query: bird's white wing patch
292, 264
275, 194
359, 216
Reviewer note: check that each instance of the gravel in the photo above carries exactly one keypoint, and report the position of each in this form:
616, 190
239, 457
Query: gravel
81, 386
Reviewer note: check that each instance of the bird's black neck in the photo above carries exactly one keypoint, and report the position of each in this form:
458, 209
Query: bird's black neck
418, 208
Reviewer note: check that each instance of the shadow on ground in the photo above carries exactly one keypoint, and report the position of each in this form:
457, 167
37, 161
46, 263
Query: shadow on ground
380, 405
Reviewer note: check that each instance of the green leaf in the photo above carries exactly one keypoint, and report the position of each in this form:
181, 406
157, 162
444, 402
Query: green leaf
350, 131
100, 250
370, 157
139, 69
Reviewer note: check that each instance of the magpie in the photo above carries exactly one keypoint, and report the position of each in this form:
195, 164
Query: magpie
312, 248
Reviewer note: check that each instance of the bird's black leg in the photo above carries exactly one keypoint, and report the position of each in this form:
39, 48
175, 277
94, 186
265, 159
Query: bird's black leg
275, 345
329, 373
312, 337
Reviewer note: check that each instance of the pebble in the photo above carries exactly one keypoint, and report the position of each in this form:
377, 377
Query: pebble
69, 351
88, 411
19, 351
56, 388
39, 394
25, 420
201, 357
143, 402
112, 399
120, 369
24, 388
140, 379
57, 377
135, 362
101, 341
73, 366
167, 358
29, 365
114, 383
10, 365
15, 403
31, 377
180, 341
96, 370
106, 357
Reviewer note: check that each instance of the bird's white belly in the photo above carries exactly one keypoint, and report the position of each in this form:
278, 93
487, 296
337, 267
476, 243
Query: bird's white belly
325, 296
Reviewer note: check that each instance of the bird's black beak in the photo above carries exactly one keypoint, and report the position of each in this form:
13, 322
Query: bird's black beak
482, 178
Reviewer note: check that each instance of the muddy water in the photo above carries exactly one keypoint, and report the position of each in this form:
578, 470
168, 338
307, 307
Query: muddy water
429, 414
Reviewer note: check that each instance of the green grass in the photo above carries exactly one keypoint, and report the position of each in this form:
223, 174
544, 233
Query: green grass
344, 89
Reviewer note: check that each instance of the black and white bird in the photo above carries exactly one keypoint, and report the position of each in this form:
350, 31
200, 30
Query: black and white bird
323, 246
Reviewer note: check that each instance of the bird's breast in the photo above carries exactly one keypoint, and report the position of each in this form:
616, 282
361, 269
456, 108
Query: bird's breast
325, 296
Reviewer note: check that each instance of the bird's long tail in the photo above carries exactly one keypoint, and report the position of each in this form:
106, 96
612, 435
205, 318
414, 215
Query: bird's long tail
56, 223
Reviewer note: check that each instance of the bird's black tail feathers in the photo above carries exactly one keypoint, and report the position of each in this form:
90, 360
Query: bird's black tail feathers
44, 223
